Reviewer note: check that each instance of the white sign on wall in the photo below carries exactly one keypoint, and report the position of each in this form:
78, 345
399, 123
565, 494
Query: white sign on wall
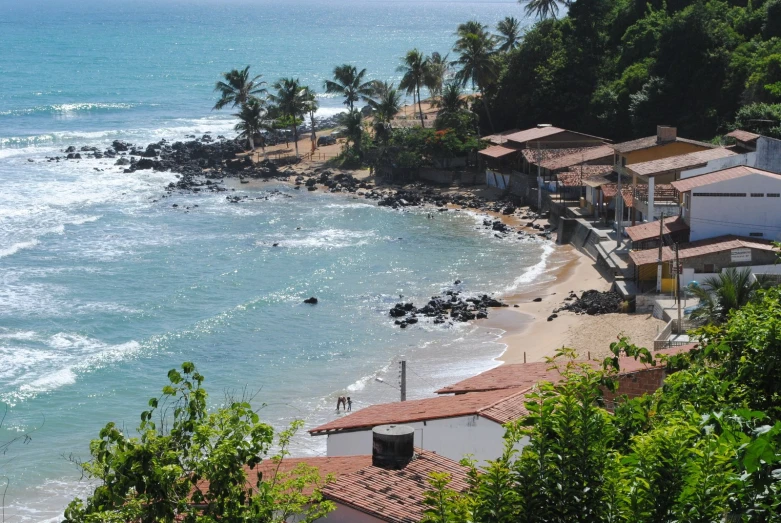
741, 255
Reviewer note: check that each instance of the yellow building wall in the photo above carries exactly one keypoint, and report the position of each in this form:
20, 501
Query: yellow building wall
661, 151
648, 273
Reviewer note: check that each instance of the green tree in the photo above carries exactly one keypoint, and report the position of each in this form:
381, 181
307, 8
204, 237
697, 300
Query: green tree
353, 129
350, 83
252, 119
543, 9
189, 464
731, 289
476, 64
436, 73
509, 36
238, 88
292, 101
415, 68
312, 105
386, 104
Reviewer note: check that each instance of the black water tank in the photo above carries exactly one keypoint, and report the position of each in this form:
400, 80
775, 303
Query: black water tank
393, 446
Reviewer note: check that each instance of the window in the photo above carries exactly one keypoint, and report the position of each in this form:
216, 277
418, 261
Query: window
709, 267
756, 234
757, 195
722, 194
773, 195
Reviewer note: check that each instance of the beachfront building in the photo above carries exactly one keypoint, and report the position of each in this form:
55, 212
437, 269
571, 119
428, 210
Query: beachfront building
387, 485
452, 426
634, 379
699, 260
510, 154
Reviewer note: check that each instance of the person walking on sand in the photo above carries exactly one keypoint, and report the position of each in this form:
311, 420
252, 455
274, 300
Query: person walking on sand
349, 404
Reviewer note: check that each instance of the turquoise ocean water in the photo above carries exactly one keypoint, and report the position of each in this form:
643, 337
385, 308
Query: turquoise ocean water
103, 289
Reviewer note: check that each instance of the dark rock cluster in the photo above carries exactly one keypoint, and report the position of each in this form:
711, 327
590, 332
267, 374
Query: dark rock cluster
593, 302
450, 305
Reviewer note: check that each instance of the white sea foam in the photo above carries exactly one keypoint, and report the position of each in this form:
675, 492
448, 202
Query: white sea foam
13, 249
325, 239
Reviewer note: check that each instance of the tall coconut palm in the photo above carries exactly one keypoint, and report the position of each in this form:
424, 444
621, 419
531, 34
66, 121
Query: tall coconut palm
251, 121
470, 27
415, 68
385, 102
509, 36
353, 129
476, 64
729, 290
349, 82
238, 88
437, 70
452, 100
543, 9
312, 106
291, 99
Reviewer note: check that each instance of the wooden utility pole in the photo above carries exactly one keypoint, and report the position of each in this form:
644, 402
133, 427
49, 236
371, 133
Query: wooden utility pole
403, 380
678, 272
659, 259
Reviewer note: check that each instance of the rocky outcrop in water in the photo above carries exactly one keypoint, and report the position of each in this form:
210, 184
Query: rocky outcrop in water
450, 306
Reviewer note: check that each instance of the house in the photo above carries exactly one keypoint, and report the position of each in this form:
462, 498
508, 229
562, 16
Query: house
742, 200
571, 182
387, 485
452, 426
700, 258
646, 235
635, 378
744, 141
664, 144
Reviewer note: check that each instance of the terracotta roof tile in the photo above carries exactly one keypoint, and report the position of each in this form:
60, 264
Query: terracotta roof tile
651, 141
486, 404
526, 375
679, 162
578, 156
743, 136
646, 231
534, 156
500, 138
700, 248
609, 190
498, 151
687, 184
395, 496
573, 176
535, 133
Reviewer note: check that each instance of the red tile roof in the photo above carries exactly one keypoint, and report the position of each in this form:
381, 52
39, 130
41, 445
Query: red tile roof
535, 133
499, 406
627, 195
498, 151
578, 156
743, 136
395, 496
535, 156
526, 375
687, 184
651, 141
700, 248
573, 176
646, 231
326, 466
609, 190
499, 138
679, 162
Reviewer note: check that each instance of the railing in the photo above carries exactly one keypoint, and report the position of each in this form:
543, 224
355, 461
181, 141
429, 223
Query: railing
663, 341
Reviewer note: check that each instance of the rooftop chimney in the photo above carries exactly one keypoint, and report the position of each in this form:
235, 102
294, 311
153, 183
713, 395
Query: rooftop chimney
392, 446
665, 133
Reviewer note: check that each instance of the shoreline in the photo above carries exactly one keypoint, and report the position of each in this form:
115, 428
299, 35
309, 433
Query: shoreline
526, 331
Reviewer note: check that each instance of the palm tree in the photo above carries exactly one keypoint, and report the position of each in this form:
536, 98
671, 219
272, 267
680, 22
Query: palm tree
238, 88
415, 68
311, 108
542, 9
292, 103
470, 27
437, 71
386, 105
509, 34
251, 121
451, 101
348, 82
353, 129
476, 64
729, 290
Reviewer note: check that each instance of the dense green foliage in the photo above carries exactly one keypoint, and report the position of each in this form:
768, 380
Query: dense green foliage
190, 465
617, 68
704, 448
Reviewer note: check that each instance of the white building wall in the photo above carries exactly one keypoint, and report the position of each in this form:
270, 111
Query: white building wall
345, 514
722, 163
453, 438
714, 216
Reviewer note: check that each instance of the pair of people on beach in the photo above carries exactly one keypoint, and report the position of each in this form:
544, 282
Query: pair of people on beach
346, 403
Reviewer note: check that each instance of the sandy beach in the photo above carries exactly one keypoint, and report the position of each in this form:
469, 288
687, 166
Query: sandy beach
527, 332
